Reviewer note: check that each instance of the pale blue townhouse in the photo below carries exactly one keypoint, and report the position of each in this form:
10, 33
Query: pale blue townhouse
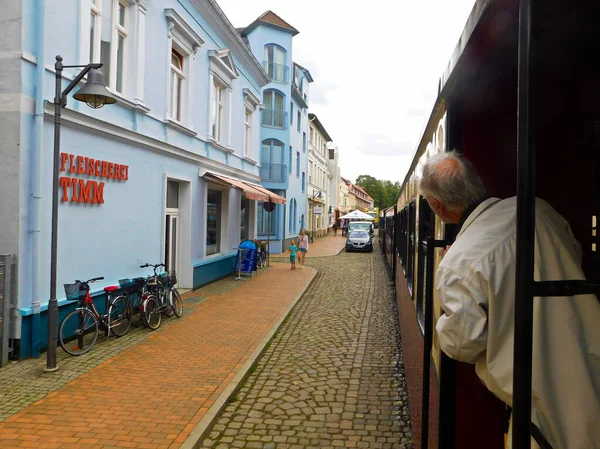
284, 128
169, 173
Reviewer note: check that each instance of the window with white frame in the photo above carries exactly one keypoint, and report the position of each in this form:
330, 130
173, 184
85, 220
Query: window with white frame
177, 80
183, 44
95, 28
222, 74
108, 34
218, 94
248, 132
121, 36
251, 102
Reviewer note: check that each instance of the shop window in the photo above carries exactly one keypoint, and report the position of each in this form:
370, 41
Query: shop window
213, 222
266, 220
244, 219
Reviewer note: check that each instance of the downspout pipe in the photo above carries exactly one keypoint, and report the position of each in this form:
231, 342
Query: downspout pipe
36, 176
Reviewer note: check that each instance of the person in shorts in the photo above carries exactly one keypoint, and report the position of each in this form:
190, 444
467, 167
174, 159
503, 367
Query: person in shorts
302, 247
292, 251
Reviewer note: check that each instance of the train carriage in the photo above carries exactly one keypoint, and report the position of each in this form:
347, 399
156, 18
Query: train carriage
476, 113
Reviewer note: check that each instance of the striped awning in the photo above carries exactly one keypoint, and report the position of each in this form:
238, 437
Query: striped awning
250, 192
272, 196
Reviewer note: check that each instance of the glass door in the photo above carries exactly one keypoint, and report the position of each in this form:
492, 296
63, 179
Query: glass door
172, 227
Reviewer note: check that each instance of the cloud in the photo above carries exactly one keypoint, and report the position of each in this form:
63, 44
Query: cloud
381, 145
320, 92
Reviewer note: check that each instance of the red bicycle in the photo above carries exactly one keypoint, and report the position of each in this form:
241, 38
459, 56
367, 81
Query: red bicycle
78, 331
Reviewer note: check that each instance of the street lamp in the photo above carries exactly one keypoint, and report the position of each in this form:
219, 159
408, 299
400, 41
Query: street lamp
95, 95
316, 194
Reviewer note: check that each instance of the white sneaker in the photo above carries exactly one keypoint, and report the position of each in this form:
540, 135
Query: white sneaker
302, 267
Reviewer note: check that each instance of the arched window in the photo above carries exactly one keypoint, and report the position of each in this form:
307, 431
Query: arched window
274, 113
275, 63
272, 166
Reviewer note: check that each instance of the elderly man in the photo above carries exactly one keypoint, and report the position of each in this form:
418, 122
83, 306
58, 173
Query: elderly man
476, 283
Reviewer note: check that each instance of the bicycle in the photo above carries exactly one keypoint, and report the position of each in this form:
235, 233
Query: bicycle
134, 289
261, 257
78, 331
160, 296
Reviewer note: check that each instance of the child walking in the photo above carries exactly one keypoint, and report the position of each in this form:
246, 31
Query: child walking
292, 251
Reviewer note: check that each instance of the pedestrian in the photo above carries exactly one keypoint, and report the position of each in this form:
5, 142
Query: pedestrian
302, 247
334, 228
292, 251
475, 283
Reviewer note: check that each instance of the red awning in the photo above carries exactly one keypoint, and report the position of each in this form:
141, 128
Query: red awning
273, 196
251, 192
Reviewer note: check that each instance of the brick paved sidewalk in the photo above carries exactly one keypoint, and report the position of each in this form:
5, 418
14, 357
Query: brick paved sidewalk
323, 247
154, 394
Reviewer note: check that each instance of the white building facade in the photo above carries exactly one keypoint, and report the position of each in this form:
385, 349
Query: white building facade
319, 185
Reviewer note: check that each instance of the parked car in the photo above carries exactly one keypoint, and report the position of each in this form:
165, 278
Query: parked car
361, 225
359, 240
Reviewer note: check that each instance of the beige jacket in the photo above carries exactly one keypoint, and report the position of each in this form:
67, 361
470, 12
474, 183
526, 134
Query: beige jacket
476, 286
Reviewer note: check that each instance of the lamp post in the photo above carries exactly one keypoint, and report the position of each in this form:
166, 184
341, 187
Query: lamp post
95, 95
316, 194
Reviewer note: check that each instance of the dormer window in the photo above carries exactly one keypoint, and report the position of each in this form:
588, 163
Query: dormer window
274, 63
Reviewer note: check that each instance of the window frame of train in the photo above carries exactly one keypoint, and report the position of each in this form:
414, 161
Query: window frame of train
411, 237
426, 229
403, 235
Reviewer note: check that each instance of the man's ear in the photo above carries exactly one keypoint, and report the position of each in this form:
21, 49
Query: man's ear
436, 206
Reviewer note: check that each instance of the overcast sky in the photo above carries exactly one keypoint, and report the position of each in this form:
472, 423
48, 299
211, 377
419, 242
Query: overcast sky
376, 66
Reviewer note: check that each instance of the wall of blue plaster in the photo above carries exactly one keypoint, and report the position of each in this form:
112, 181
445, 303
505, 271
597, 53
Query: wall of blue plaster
258, 38
111, 239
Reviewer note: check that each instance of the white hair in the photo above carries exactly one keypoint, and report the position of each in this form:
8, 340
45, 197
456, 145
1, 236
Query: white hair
452, 180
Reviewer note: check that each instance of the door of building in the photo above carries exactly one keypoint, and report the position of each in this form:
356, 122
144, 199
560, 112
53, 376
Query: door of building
172, 227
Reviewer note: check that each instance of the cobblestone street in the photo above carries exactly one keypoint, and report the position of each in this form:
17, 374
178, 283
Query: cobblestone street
332, 376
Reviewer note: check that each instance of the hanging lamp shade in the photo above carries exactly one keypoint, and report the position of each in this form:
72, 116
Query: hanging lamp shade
94, 93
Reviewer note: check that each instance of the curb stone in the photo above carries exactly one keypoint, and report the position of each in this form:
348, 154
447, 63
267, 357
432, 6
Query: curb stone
203, 427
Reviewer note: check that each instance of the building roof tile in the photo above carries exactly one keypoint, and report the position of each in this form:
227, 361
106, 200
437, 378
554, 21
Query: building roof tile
272, 19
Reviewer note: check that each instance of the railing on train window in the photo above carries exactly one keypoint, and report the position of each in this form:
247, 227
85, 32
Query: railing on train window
426, 223
410, 259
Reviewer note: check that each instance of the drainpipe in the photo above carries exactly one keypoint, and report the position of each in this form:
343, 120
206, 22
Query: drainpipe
36, 176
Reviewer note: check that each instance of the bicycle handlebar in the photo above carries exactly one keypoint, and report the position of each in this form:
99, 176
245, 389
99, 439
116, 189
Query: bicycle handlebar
148, 265
89, 280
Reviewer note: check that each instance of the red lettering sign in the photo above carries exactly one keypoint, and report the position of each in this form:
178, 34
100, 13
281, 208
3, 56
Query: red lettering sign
88, 191
64, 183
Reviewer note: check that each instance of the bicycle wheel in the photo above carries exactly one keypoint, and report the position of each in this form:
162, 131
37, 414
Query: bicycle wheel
176, 302
151, 315
78, 332
166, 305
135, 300
119, 316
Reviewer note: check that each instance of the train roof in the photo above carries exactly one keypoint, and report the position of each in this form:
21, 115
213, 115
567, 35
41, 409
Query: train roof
484, 27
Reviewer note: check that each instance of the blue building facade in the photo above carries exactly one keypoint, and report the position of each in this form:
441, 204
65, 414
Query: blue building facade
170, 173
284, 128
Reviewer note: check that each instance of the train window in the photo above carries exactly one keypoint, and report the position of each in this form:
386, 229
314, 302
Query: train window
403, 237
593, 233
410, 259
426, 229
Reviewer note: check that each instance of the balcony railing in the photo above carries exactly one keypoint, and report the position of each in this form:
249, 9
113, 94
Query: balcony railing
273, 172
277, 72
275, 118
